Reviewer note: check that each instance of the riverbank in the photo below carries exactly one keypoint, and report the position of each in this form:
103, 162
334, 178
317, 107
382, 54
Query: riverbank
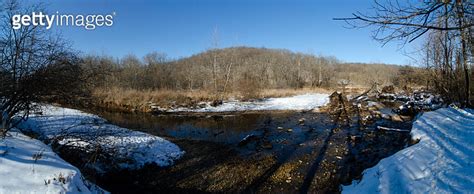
166, 100
102, 145
440, 163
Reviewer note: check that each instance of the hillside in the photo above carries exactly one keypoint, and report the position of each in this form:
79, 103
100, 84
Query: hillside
242, 69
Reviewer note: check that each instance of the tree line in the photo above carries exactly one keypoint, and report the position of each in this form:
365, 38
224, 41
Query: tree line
234, 69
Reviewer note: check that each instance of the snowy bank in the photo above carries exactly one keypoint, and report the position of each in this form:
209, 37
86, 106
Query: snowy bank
299, 102
29, 166
89, 133
442, 162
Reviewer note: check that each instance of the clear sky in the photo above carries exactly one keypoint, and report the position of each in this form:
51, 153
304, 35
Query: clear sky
181, 28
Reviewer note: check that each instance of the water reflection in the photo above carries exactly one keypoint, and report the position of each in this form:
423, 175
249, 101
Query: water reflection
269, 129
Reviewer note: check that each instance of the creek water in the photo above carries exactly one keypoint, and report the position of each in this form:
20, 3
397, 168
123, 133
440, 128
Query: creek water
250, 132
245, 132
313, 143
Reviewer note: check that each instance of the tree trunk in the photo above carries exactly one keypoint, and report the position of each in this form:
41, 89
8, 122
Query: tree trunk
464, 54
214, 72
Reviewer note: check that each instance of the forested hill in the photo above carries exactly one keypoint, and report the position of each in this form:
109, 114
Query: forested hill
236, 67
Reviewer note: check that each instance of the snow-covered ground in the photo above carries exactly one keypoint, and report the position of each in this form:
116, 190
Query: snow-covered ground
442, 162
129, 149
29, 166
299, 102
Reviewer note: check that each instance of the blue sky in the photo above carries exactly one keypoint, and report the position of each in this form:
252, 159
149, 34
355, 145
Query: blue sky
181, 28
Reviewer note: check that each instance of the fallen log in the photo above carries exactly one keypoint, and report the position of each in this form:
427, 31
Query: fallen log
366, 92
392, 129
247, 139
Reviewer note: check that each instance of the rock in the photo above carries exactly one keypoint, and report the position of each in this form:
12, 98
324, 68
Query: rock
202, 105
377, 116
355, 138
216, 103
373, 108
397, 118
267, 145
387, 96
367, 119
266, 131
386, 116
377, 113
406, 118
301, 121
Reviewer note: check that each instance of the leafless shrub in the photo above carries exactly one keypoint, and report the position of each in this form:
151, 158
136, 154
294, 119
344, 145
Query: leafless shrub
33, 65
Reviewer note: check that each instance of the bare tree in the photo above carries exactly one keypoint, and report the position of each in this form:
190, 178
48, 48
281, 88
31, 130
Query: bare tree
215, 45
409, 20
31, 65
228, 72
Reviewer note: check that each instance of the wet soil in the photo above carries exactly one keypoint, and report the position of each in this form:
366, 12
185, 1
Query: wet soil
257, 152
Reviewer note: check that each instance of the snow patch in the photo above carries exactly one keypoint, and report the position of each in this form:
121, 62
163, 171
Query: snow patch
29, 166
88, 132
442, 162
299, 102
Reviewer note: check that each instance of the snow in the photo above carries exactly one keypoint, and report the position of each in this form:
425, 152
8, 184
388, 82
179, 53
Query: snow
27, 165
442, 161
129, 149
298, 102
421, 101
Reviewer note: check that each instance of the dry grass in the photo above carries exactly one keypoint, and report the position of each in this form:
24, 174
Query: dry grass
121, 96
268, 93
